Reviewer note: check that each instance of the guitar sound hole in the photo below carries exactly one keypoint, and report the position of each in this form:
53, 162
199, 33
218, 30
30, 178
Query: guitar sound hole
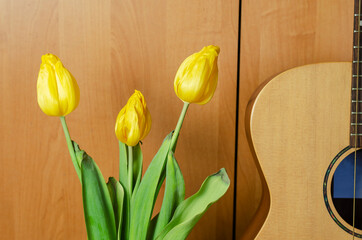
343, 189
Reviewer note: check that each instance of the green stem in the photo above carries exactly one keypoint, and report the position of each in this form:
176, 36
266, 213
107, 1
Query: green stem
178, 126
123, 178
121, 155
130, 168
71, 148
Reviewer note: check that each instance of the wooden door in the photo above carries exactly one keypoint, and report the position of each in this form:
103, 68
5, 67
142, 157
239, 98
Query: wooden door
278, 35
111, 47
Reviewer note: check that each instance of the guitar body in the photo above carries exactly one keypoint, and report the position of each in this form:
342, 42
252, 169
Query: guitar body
297, 123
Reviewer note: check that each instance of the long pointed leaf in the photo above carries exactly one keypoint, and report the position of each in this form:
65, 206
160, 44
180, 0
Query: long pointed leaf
191, 210
143, 200
117, 195
174, 193
123, 179
151, 228
137, 166
78, 153
98, 210
123, 165
126, 216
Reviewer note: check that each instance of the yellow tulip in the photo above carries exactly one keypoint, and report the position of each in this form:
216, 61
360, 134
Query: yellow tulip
57, 90
133, 121
196, 78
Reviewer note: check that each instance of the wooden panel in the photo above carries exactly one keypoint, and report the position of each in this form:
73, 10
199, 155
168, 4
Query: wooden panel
112, 48
303, 135
276, 36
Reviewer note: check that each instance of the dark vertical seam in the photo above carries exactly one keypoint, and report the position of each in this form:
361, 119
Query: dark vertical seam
237, 123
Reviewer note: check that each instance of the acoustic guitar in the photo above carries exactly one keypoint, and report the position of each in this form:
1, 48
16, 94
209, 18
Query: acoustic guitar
304, 127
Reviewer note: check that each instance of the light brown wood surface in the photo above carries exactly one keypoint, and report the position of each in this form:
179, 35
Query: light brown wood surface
298, 123
111, 47
278, 35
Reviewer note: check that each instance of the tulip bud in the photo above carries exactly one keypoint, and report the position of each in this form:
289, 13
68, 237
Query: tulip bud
196, 78
133, 121
57, 90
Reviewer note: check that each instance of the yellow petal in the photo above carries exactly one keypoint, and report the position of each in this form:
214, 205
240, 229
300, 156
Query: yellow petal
130, 129
119, 123
50, 59
197, 76
57, 90
68, 89
133, 121
148, 124
47, 91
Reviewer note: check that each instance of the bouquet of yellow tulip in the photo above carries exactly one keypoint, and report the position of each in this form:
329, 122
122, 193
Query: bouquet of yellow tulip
122, 209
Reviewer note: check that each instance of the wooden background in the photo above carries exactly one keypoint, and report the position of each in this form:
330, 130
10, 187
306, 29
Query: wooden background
278, 35
112, 48
115, 46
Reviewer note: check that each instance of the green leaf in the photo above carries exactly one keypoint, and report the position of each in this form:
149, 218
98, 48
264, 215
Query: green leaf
126, 216
97, 204
117, 195
191, 210
151, 228
137, 166
142, 201
123, 179
78, 153
123, 163
174, 193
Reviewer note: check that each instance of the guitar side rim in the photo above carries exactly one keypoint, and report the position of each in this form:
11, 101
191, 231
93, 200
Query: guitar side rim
263, 212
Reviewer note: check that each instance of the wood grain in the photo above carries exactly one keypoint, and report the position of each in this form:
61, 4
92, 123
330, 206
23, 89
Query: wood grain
276, 36
111, 47
298, 123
